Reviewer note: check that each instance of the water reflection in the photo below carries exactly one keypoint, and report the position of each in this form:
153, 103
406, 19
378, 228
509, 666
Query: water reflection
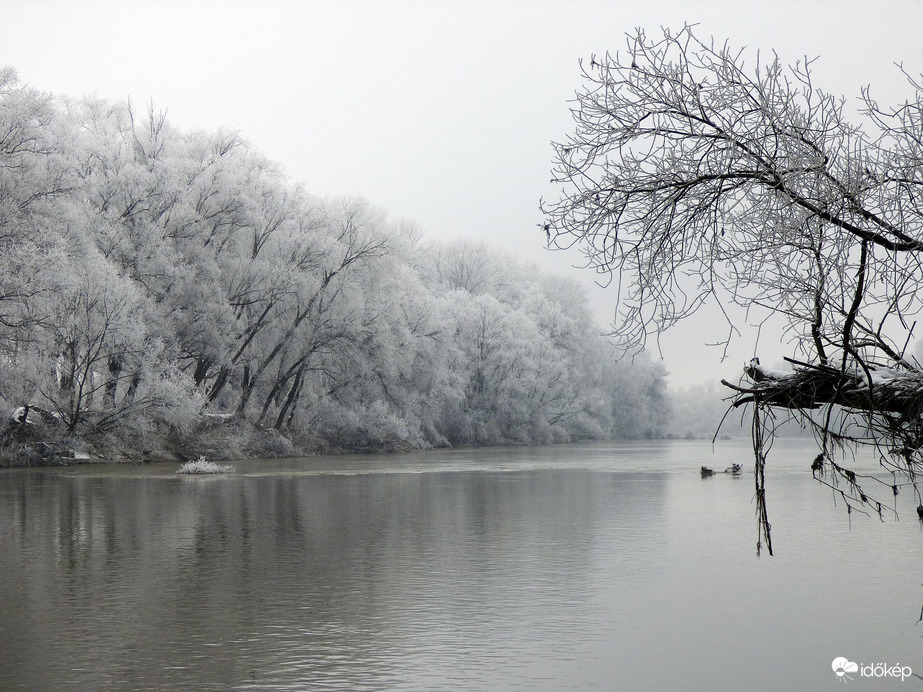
272, 582
542, 576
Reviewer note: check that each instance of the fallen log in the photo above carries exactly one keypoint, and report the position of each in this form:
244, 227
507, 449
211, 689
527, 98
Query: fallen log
889, 400
811, 386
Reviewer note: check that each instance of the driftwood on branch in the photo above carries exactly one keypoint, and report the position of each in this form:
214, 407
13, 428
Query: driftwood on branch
810, 386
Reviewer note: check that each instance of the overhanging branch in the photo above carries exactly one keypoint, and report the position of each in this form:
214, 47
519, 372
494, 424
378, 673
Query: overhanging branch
810, 386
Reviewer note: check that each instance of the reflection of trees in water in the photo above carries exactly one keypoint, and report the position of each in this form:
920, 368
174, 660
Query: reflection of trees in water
230, 579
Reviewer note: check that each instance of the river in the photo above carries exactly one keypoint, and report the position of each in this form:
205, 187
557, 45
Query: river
605, 566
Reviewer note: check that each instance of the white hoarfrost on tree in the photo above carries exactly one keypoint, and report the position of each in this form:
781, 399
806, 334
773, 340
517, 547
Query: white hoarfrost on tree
158, 285
700, 173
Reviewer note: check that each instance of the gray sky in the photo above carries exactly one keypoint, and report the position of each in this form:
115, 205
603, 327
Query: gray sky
441, 111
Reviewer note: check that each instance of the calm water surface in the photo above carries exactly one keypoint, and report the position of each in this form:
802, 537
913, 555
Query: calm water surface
584, 567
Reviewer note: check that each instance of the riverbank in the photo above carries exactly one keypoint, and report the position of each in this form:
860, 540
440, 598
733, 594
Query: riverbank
27, 444
44, 441
217, 438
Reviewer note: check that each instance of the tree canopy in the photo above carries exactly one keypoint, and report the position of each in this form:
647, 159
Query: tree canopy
699, 173
159, 284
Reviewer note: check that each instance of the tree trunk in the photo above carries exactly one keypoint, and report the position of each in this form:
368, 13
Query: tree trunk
115, 371
290, 400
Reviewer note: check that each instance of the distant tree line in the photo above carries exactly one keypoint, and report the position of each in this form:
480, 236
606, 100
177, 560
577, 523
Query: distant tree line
157, 283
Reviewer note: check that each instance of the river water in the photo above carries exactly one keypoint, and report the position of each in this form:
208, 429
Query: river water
584, 567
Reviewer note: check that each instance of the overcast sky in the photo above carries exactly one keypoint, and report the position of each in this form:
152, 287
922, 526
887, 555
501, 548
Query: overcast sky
441, 111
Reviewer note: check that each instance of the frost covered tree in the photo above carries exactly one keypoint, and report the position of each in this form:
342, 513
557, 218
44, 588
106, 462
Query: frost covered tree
160, 286
698, 174
531, 364
323, 326
34, 176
